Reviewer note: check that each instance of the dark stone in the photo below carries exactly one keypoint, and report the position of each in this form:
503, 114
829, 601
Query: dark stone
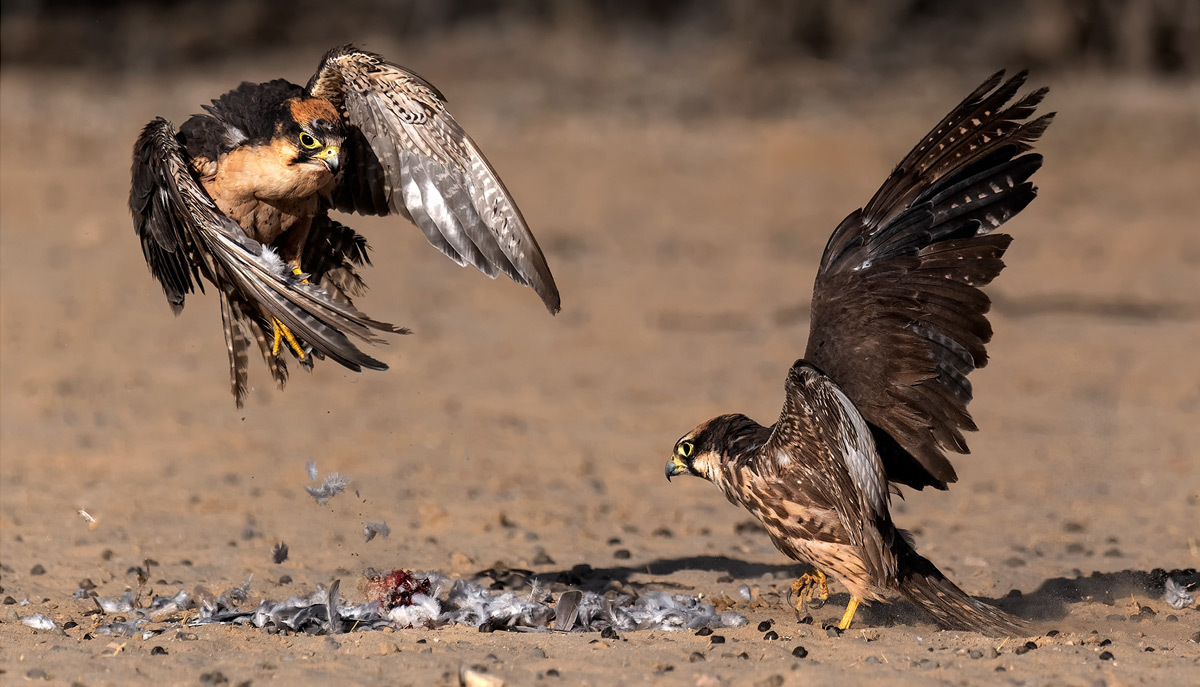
799, 652
216, 677
1021, 650
552, 673
615, 541
1014, 562
37, 570
1031, 645
87, 584
1052, 633
696, 657
717, 639
70, 624
662, 532
1104, 642
609, 633
771, 636
764, 626
806, 620
286, 579
1106, 656
833, 631
704, 632
487, 626
622, 554
36, 674
744, 656
158, 651
8, 601
975, 653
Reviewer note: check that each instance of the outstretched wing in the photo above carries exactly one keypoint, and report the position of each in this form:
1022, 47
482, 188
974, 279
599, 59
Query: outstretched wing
184, 236
898, 317
407, 155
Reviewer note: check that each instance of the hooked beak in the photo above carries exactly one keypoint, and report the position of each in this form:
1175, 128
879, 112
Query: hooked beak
329, 156
675, 466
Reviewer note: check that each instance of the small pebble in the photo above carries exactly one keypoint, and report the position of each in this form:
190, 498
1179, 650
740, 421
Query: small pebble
833, 632
702, 632
37, 570
614, 542
158, 651
37, 674
975, 653
1052, 633
799, 652
537, 652
872, 659
764, 626
1014, 562
662, 532
216, 677
717, 639
1104, 642
771, 636
487, 627
1021, 650
552, 673
622, 554
806, 620
1031, 645
1195, 636
744, 656
8, 601
696, 657
286, 579
542, 558
609, 633
1106, 656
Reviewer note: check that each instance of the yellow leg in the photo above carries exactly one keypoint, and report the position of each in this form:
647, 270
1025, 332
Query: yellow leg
297, 271
808, 586
848, 616
282, 333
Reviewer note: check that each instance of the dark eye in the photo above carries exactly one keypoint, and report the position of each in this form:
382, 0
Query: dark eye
684, 449
308, 141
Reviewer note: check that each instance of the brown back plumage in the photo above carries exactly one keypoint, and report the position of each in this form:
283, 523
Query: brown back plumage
898, 318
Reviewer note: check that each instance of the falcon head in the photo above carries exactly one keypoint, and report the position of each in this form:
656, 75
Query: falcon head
703, 451
310, 135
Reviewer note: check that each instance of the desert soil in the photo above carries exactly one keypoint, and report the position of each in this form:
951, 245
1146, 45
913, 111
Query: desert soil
683, 216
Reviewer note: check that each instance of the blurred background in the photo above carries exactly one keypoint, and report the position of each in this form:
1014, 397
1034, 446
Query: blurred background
682, 163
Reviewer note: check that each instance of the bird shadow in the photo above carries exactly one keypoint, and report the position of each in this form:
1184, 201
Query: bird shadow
1050, 601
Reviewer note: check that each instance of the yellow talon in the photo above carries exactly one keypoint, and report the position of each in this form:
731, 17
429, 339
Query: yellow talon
848, 616
282, 333
808, 586
297, 271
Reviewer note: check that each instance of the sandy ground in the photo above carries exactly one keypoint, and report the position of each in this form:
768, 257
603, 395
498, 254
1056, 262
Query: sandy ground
684, 233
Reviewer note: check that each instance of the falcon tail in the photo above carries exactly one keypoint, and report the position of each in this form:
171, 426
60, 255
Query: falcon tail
924, 585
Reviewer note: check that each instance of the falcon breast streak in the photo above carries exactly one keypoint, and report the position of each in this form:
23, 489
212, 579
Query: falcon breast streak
241, 197
898, 322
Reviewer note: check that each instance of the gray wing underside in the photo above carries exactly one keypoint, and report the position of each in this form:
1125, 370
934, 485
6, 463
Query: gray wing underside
407, 155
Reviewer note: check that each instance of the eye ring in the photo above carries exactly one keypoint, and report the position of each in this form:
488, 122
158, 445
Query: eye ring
308, 141
685, 449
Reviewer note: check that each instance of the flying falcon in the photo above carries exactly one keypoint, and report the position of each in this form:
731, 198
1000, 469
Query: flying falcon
898, 322
241, 196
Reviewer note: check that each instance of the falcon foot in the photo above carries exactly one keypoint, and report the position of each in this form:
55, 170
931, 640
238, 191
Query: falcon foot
300, 273
848, 616
811, 585
282, 333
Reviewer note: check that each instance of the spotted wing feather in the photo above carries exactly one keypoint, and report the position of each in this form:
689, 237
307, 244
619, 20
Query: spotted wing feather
898, 317
407, 155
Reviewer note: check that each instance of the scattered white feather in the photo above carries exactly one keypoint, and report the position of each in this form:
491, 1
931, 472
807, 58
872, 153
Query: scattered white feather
38, 622
1177, 595
311, 467
333, 485
424, 612
376, 528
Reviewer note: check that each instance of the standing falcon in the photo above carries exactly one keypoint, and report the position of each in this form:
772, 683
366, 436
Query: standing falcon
898, 322
241, 196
